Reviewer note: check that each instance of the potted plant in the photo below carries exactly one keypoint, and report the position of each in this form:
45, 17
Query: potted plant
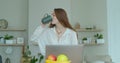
34, 59
84, 40
99, 38
27, 52
27, 58
8, 39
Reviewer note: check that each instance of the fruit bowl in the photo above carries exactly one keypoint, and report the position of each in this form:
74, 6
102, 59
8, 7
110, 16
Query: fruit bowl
61, 58
50, 61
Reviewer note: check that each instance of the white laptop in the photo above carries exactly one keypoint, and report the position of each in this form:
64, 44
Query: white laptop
74, 52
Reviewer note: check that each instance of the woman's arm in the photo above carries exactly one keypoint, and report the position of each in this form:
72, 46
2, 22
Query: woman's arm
37, 33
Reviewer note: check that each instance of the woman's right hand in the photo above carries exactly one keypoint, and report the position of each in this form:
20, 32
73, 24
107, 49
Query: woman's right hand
45, 25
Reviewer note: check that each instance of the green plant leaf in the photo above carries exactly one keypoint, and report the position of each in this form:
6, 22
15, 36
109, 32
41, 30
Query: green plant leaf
7, 37
98, 36
41, 58
85, 38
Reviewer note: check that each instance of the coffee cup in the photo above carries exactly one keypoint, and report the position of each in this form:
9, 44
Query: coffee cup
46, 19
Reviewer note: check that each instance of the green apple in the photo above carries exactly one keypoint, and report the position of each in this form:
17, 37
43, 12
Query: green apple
62, 57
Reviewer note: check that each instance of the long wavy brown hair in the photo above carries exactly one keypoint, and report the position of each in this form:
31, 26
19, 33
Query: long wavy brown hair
62, 18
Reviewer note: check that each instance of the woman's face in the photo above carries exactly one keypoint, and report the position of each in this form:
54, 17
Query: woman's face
55, 20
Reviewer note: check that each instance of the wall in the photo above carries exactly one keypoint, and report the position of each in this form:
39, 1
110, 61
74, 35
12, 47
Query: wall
16, 13
113, 8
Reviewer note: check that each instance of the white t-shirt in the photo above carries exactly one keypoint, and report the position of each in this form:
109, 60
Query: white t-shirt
48, 36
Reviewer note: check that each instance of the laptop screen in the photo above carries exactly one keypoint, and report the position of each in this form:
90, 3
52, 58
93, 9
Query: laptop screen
73, 52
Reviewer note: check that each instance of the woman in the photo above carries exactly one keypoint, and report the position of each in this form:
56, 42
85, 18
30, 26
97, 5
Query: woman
59, 32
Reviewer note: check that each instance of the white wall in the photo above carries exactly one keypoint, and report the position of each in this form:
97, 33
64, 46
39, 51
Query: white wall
113, 8
16, 13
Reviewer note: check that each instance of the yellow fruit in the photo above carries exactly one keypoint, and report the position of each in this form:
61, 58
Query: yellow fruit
50, 61
62, 57
47, 61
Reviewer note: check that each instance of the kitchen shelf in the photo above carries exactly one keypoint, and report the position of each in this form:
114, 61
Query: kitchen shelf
11, 44
13, 29
93, 44
88, 30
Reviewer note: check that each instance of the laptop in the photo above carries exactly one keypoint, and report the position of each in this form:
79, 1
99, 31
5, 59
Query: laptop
73, 52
